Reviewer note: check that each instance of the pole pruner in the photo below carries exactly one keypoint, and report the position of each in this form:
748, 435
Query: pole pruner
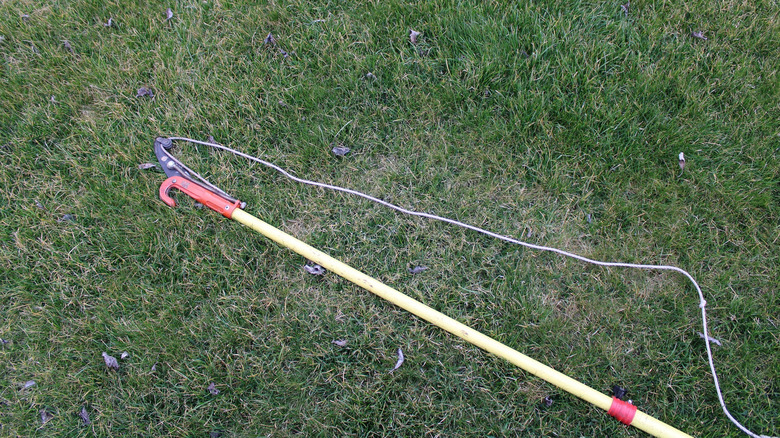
183, 178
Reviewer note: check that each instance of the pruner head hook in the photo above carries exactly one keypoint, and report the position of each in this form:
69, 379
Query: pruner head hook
201, 194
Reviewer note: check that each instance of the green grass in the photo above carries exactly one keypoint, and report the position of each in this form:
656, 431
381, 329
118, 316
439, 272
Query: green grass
525, 119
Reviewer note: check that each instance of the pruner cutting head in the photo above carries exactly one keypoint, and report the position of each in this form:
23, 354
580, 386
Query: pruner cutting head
182, 177
170, 165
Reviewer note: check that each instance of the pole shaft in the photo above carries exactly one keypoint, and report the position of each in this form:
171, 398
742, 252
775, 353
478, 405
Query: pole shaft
641, 420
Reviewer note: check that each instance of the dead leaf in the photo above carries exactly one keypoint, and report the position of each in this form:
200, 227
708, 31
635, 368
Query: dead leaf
270, 39
699, 34
84, 415
418, 269
340, 150
284, 53
711, 339
67, 46
400, 360
66, 218
314, 269
110, 361
154, 367
682, 161
53, 100
168, 14
211, 139
370, 75
143, 91
109, 23
213, 389
25, 18
46, 416
146, 166
39, 205
413, 35
124, 355
28, 384
340, 342
547, 401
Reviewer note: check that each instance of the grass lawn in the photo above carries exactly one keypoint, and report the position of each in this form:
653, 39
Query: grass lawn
556, 122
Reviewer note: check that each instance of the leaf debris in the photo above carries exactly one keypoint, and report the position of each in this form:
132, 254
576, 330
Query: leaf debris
400, 360
271, 41
28, 384
109, 23
168, 14
625, 7
46, 416
413, 35
143, 91
124, 355
699, 34
681, 161
418, 269
84, 415
146, 166
213, 389
340, 150
110, 361
340, 342
314, 269
710, 338
66, 218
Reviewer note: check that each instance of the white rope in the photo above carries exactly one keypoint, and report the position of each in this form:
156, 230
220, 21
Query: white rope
702, 301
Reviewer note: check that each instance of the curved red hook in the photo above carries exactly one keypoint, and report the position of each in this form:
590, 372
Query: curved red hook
199, 193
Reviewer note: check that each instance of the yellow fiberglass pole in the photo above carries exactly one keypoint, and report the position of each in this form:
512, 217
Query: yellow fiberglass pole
621, 410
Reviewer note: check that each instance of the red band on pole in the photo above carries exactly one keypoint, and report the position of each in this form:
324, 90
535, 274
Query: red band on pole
623, 411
